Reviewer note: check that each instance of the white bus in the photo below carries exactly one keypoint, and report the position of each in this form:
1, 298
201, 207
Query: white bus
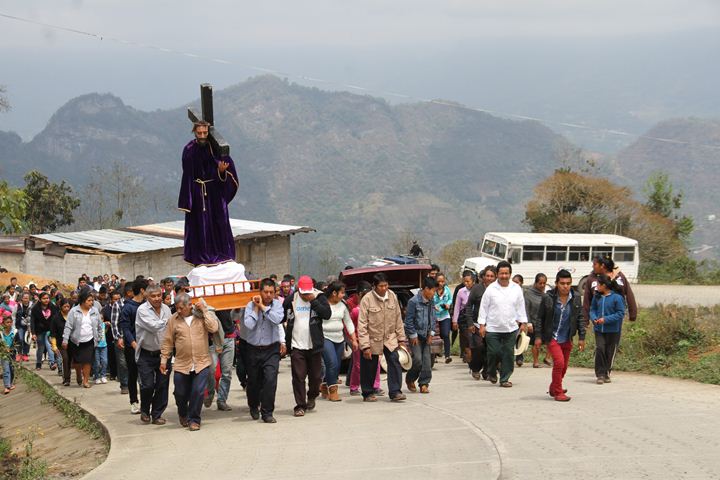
533, 253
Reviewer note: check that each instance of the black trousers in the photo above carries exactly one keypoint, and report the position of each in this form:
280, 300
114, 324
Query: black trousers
154, 386
112, 362
262, 372
241, 359
305, 364
132, 374
368, 371
606, 345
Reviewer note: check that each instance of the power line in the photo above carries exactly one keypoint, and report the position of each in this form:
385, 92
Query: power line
358, 88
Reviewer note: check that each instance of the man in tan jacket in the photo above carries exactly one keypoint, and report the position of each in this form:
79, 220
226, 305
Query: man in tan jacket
187, 333
380, 332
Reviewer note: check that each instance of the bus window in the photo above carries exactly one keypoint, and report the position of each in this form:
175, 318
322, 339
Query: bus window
605, 252
494, 249
624, 254
579, 254
556, 254
514, 256
533, 253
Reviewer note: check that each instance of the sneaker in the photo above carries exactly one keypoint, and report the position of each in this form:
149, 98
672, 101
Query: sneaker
607, 379
135, 408
448, 359
600, 381
398, 398
103, 380
98, 381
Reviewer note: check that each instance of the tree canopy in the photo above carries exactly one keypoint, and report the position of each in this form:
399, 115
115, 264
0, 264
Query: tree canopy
50, 205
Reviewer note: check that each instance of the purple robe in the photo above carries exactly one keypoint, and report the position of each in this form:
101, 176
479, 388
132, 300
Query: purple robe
204, 197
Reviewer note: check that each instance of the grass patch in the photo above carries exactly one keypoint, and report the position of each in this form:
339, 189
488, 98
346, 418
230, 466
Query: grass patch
668, 340
75, 415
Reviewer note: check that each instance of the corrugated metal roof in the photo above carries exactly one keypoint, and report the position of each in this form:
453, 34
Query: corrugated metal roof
159, 236
240, 228
112, 240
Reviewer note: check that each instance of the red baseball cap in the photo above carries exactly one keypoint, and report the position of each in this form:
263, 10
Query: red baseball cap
305, 284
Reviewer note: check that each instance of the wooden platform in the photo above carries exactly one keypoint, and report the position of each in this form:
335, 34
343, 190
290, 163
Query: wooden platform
226, 296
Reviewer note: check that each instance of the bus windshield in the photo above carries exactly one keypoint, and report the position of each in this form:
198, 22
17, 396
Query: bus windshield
494, 249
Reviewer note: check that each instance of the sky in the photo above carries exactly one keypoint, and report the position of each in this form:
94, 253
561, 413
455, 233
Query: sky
508, 56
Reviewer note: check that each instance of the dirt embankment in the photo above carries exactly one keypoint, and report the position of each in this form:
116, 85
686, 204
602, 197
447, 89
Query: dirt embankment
24, 279
68, 451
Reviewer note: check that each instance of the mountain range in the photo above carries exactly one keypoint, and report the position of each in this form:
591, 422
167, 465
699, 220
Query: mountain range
363, 172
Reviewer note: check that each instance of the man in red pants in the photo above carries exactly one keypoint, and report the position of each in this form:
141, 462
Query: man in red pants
561, 318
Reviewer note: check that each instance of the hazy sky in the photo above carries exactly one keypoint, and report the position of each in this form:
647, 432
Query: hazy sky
379, 44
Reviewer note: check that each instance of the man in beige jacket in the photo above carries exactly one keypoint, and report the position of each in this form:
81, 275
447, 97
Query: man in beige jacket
380, 332
187, 333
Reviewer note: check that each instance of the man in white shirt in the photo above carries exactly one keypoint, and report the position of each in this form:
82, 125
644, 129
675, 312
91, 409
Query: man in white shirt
502, 309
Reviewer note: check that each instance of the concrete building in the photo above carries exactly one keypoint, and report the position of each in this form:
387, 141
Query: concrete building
152, 250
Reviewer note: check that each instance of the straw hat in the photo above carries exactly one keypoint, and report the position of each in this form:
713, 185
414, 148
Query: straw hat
405, 358
521, 343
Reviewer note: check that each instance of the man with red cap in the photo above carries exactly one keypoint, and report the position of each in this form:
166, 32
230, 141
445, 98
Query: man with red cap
305, 311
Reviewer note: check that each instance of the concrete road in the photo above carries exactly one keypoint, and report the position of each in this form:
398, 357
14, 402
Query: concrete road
636, 427
690, 295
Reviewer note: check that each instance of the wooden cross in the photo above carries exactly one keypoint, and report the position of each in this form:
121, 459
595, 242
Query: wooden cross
217, 142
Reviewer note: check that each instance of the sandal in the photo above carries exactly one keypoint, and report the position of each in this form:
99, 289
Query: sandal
86, 385
536, 365
506, 384
547, 362
299, 412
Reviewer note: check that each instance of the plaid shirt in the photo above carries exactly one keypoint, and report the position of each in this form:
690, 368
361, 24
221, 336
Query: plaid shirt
114, 317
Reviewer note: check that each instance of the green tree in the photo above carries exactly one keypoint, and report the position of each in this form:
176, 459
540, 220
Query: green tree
568, 202
452, 256
13, 208
50, 205
663, 200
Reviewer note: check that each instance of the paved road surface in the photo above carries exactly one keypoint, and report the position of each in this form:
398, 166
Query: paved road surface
691, 295
636, 427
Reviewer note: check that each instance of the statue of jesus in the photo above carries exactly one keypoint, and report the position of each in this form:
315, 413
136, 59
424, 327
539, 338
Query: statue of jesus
209, 184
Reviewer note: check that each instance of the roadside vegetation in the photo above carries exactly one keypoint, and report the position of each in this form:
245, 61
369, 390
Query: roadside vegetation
668, 340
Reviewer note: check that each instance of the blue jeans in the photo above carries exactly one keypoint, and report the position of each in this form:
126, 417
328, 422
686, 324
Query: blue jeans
122, 370
101, 361
445, 334
332, 356
8, 372
43, 345
24, 348
189, 391
421, 368
226, 361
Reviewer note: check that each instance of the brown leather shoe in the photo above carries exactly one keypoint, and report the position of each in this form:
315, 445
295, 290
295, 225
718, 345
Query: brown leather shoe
183, 421
159, 421
194, 427
424, 389
411, 386
323, 390
398, 398
333, 394
144, 418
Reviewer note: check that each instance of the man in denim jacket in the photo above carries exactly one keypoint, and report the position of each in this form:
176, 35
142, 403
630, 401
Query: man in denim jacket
419, 329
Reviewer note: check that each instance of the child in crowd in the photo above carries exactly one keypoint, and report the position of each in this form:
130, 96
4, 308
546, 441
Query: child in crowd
101, 358
8, 336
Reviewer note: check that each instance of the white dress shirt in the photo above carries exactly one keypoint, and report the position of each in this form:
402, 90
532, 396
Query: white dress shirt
502, 308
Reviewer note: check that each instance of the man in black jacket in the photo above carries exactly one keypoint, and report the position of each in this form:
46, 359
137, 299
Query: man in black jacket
475, 342
304, 312
561, 317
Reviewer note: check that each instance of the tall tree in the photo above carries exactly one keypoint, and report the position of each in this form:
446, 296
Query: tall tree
452, 256
13, 207
663, 200
50, 205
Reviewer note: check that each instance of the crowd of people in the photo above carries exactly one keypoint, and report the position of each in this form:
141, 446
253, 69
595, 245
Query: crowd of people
140, 332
